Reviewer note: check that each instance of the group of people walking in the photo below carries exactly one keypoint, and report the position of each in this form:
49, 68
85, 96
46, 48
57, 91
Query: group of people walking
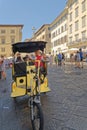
2, 68
60, 59
77, 58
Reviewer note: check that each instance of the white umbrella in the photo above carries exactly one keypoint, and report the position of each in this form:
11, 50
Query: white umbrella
74, 49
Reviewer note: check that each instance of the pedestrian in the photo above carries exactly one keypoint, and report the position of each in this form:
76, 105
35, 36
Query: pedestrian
3, 68
72, 58
0, 68
50, 59
81, 57
78, 59
63, 59
56, 60
86, 56
59, 59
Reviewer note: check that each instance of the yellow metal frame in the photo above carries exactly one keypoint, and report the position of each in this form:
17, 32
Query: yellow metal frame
19, 89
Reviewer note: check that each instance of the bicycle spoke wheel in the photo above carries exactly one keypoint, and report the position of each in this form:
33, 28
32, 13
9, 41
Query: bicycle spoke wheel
37, 117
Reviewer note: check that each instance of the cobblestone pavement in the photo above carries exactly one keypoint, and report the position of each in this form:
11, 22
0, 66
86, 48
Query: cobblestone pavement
64, 108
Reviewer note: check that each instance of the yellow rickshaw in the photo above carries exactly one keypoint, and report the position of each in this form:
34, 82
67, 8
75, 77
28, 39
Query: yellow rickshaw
27, 80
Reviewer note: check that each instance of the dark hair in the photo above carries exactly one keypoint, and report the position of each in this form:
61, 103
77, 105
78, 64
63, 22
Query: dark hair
80, 49
1, 61
18, 59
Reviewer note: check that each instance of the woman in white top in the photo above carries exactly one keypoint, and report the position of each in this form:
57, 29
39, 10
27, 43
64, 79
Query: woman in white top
3, 68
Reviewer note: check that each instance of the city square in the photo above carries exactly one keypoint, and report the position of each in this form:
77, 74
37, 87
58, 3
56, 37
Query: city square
64, 108
43, 65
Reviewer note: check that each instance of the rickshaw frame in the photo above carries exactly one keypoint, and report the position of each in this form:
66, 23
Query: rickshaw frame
29, 83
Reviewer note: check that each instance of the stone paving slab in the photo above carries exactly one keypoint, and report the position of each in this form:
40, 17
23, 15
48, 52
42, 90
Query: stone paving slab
77, 123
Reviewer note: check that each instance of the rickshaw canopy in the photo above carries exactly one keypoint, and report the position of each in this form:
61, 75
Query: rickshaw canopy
28, 47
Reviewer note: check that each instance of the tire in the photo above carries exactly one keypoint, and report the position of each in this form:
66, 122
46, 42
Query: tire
37, 121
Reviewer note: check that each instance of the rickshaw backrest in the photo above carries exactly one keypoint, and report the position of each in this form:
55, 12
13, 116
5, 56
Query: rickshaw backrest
20, 68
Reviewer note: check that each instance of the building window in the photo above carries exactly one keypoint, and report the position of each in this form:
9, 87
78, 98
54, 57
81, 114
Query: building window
65, 39
84, 6
3, 31
83, 35
49, 28
76, 25
83, 21
43, 37
76, 37
59, 31
2, 40
70, 39
61, 40
12, 31
76, 12
65, 27
3, 49
70, 16
55, 43
70, 6
53, 35
76, 2
12, 39
70, 28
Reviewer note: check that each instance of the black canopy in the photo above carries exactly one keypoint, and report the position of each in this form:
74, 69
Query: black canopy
28, 47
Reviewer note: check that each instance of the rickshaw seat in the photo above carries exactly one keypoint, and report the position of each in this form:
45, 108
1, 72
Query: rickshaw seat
20, 69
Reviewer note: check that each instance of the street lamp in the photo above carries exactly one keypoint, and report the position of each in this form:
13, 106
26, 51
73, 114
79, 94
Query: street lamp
33, 29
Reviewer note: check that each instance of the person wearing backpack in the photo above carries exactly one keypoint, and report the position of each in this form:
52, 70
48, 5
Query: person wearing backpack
59, 59
81, 57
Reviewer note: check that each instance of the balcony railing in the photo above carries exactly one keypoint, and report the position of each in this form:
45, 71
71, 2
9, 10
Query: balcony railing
84, 39
77, 41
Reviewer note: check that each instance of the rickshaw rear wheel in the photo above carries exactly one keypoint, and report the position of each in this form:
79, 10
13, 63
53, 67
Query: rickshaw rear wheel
37, 115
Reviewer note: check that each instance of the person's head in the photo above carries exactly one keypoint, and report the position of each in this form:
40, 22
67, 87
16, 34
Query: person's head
19, 59
80, 49
2, 57
43, 54
37, 52
27, 57
18, 54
